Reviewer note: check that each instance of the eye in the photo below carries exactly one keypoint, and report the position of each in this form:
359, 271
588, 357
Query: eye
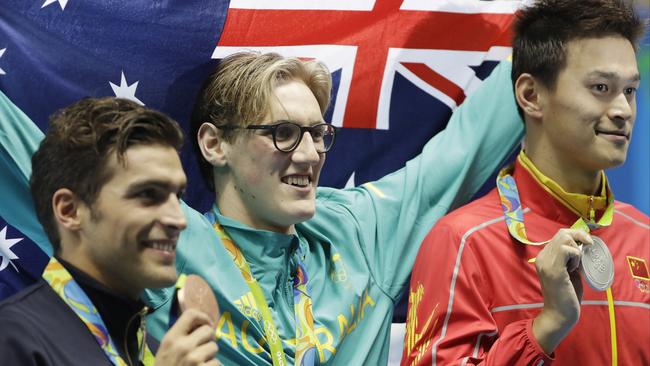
601, 88
630, 91
285, 132
318, 133
150, 195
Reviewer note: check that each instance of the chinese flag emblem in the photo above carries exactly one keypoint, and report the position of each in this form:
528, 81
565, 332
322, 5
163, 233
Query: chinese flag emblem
638, 268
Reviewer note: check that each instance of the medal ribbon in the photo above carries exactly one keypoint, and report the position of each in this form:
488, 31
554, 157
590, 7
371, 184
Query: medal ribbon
71, 293
305, 336
511, 205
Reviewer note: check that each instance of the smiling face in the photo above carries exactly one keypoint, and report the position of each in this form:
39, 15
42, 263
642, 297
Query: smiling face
587, 119
266, 188
128, 236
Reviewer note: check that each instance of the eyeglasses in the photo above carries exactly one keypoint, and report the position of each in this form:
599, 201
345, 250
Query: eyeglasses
287, 135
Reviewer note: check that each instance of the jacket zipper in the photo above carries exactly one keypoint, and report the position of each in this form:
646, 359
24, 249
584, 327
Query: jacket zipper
143, 330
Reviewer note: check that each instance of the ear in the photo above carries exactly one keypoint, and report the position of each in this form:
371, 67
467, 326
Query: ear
528, 93
67, 207
211, 144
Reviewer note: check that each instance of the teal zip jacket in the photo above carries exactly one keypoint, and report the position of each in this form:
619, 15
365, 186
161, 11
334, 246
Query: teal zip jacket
360, 245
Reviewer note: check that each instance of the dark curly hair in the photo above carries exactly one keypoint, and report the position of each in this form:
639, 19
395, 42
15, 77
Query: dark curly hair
76, 148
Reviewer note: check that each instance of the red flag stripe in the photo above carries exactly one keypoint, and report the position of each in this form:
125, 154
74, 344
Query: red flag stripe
373, 33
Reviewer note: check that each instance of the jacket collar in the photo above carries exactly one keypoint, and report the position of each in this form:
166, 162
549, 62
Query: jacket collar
117, 311
270, 255
534, 189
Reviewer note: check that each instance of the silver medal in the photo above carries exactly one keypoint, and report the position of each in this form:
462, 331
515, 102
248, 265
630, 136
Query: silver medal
597, 265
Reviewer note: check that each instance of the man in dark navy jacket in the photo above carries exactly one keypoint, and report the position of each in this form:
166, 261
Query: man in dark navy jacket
106, 184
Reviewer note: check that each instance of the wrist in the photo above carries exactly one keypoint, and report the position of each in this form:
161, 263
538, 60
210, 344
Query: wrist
550, 328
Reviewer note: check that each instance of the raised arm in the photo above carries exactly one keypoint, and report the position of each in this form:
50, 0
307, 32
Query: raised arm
394, 213
19, 139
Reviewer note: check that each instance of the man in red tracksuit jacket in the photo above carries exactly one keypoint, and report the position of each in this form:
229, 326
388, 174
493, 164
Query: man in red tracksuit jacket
491, 290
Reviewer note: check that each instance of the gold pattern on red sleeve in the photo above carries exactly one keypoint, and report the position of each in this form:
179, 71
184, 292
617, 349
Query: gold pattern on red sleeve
417, 343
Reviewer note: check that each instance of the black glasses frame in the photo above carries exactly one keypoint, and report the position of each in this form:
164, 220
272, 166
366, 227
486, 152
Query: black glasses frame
274, 127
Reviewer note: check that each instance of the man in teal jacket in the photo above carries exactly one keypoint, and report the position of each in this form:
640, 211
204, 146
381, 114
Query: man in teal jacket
304, 275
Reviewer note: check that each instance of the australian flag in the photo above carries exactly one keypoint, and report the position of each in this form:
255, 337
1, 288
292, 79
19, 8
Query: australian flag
400, 67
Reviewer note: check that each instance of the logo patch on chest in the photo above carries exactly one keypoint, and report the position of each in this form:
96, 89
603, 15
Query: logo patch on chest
638, 268
640, 273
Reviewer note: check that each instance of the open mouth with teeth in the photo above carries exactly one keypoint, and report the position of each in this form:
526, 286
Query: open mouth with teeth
163, 246
301, 181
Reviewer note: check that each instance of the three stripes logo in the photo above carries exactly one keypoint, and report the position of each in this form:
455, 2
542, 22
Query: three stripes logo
248, 306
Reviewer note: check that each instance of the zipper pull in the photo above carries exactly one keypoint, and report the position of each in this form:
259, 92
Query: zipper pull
592, 212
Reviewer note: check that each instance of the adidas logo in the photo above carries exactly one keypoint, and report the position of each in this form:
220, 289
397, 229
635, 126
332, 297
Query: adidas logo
248, 306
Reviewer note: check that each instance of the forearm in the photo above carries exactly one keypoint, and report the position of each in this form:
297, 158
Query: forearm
550, 327
453, 165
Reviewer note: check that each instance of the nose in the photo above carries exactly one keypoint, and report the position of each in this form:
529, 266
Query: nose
306, 151
622, 108
173, 217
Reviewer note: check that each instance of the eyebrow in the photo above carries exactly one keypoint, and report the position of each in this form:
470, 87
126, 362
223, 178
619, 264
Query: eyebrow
613, 75
310, 123
155, 183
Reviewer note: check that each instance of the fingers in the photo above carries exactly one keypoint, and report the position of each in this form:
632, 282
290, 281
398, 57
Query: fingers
574, 239
190, 320
203, 354
200, 336
192, 329
578, 236
573, 257
190, 342
571, 237
557, 267
564, 250
183, 344
576, 281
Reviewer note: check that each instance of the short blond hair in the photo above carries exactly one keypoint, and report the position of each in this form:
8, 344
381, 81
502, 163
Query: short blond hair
238, 91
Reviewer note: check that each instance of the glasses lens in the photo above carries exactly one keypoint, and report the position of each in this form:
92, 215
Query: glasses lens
287, 136
323, 136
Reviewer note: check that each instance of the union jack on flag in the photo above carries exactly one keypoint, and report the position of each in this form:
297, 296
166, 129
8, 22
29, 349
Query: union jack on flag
399, 68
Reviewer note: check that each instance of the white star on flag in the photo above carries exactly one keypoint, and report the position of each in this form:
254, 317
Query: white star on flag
5, 250
126, 91
63, 3
2, 52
